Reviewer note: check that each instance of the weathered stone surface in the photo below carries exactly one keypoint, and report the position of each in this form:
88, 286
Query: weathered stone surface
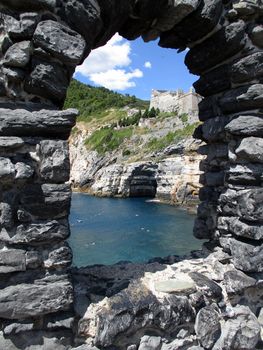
31, 4
207, 326
240, 333
105, 320
60, 41
242, 99
214, 178
246, 125
7, 170
22, 28
84, 17
21, 122
54, 161
214, 81
180, 344
251, 148
5, 43
248, 68
208, 287
47, 201
49, 80
244, 203
114, 15
26, 300
18, 55
240, 228
37, 340
245, 174
257, 35
213, 130
174, 13
23, 171
6, 215
10, 143
195, 26
150, 343
59, 257
12, 260
38, 233
236, 281
247, 257
231, 38
175, 286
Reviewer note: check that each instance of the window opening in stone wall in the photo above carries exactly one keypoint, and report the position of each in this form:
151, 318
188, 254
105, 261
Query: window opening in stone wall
133, 140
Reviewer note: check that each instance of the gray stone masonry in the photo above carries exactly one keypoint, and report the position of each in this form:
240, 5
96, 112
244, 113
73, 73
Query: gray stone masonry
41, 42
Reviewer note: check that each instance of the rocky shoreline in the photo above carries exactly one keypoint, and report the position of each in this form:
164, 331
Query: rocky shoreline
196, 303
171, 176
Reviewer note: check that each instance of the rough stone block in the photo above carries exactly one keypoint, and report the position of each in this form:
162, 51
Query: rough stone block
25, 300
247, 68
172, 14
245, 174
22, 122
62, 42
84, 17
10, 143
240, 228
246, 125
54, 161
49, 80
213, 130
256, 35
247, 203
247, 257
150, 343
214, 81
23, 171
6, 215
194, 27
7, 170
46, 201
58, 257
31, 4
236, 282
225, 43
207, 326
240, 332
12, 260
251, 149
242, 99
18, 55
38, 233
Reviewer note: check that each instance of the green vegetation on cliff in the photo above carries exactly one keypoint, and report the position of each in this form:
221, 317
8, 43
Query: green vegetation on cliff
158, 144
94, 101
107, 139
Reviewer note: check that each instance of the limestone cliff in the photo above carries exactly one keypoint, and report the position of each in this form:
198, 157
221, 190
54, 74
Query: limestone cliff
152, 161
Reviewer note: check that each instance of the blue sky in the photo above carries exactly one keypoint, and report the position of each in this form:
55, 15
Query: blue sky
135, 68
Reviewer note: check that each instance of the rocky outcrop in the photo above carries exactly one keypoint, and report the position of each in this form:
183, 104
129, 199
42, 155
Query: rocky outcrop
170, 175
191, 304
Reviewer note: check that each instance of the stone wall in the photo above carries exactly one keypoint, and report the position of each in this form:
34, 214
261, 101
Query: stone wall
41, 43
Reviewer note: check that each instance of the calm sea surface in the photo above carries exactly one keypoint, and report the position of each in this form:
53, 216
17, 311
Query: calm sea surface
106, 230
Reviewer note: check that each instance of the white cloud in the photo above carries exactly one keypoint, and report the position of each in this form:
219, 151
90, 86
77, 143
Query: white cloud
148, 65
116, 79
106, 65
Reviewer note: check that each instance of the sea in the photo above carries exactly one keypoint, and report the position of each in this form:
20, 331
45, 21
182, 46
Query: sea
110, 230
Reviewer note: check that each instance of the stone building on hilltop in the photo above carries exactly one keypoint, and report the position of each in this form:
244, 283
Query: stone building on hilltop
176, 101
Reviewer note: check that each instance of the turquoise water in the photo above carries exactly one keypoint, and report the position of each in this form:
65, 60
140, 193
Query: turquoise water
107, 230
